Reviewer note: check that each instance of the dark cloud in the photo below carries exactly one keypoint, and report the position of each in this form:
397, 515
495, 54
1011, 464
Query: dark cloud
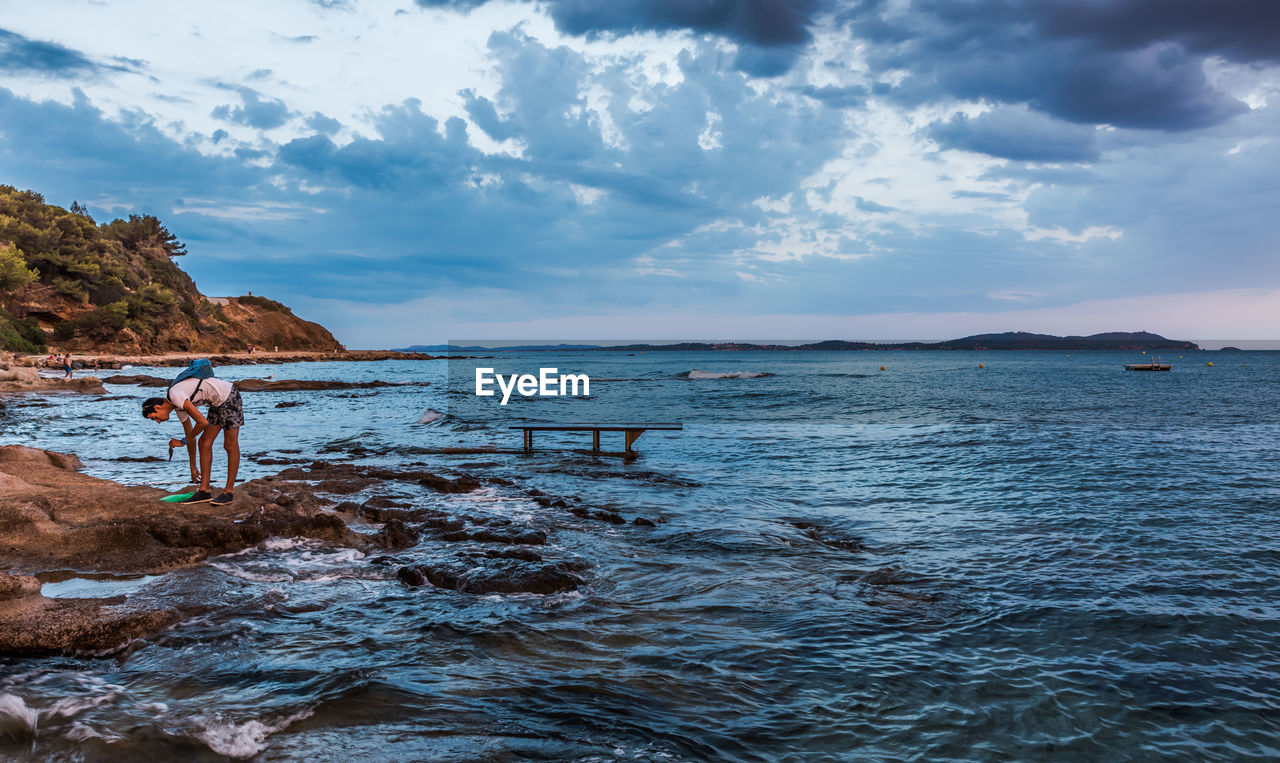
1130, 63
255, 111
22, 55
323, 124
1018, 134
771, 33
1238, 30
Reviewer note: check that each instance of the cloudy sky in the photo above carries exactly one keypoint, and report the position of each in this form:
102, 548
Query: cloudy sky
414, 172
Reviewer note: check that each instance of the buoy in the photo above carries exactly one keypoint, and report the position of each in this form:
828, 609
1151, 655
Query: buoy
982, 365
1144, 352
1211, 362
881, 368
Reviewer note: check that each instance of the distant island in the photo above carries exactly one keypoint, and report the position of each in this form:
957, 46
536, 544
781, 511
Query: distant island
1009, 340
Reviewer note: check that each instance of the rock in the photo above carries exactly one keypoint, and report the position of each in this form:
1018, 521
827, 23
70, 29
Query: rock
40, 626
23, 454
19, 374
291, 403
142, 380
642, 522
486, 535
293, 385
17, 586
394, 535
501, 575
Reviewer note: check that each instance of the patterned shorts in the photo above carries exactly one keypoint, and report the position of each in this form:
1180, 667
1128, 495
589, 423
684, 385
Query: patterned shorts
228, 415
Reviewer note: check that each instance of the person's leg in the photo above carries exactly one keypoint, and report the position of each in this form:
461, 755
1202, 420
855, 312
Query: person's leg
231, 443
207, 437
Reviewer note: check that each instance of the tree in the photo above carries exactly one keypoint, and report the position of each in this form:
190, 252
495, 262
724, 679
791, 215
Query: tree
78, 209
14, 273
142, 232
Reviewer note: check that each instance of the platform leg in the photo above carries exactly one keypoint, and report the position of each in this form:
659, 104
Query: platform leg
528, 441
632, 436
595, 441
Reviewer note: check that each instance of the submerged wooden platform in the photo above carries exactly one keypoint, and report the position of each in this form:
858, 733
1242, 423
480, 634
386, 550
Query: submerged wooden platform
1148, 367
632, 432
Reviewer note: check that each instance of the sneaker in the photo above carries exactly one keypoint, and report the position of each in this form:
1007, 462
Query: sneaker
201, 496
223, 499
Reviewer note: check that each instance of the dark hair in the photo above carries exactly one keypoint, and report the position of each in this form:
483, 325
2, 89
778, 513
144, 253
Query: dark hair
150, 405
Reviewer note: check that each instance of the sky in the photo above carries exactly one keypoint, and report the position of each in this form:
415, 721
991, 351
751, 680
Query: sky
414, 172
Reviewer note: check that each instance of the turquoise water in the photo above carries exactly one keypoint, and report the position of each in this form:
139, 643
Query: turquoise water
1045, 557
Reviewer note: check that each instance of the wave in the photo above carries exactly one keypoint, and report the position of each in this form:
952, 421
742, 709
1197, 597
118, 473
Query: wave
430, 416
696, 374
241, 740
17, 721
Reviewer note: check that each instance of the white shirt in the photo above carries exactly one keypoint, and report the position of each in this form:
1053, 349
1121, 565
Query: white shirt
212, 392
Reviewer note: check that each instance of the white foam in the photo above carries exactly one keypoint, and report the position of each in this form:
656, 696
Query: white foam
241, 740
429, 416
696, 374
17, 721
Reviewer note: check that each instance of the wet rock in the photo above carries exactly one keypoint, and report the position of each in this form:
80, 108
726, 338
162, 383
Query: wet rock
382, 502
141, 380
501, 575
292, 385
138, 459
413, 576
642, 522
499, 481
345, 479
524, 554
39, 626
291, 403
394, 534
522, 537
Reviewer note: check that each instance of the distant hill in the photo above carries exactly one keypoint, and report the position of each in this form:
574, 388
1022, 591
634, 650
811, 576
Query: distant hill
69, 282
1010, 340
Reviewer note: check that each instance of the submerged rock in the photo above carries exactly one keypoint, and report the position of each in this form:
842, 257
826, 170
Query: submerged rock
500, 575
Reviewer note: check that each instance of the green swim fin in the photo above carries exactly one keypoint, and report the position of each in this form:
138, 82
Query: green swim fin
178, 498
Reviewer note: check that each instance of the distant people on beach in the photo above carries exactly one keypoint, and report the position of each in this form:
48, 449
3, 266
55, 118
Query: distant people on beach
66, 367
96, 366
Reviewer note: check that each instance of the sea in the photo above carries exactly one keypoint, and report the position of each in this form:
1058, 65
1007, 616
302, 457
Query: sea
854, 556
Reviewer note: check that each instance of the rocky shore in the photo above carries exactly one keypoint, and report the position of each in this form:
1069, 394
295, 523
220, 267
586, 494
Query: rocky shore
20, 379
56, 521
110, 361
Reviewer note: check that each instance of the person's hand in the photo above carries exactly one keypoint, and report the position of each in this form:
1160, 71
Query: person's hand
176, 443
195, 477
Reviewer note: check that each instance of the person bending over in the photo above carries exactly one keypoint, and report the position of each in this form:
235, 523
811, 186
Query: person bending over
226, 415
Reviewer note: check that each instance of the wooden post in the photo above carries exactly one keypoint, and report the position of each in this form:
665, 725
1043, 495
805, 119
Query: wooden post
632, 436
528, 441
595, 441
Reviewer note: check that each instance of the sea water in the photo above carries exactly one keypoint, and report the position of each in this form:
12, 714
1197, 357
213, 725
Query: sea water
1045, 557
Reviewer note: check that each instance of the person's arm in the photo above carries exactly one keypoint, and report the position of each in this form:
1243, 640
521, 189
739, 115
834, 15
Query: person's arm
191, 410
190, 437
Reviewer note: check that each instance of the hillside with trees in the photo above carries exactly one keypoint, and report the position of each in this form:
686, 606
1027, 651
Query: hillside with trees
70, 283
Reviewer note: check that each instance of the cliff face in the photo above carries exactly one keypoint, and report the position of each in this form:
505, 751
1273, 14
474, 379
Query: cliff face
73, 284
